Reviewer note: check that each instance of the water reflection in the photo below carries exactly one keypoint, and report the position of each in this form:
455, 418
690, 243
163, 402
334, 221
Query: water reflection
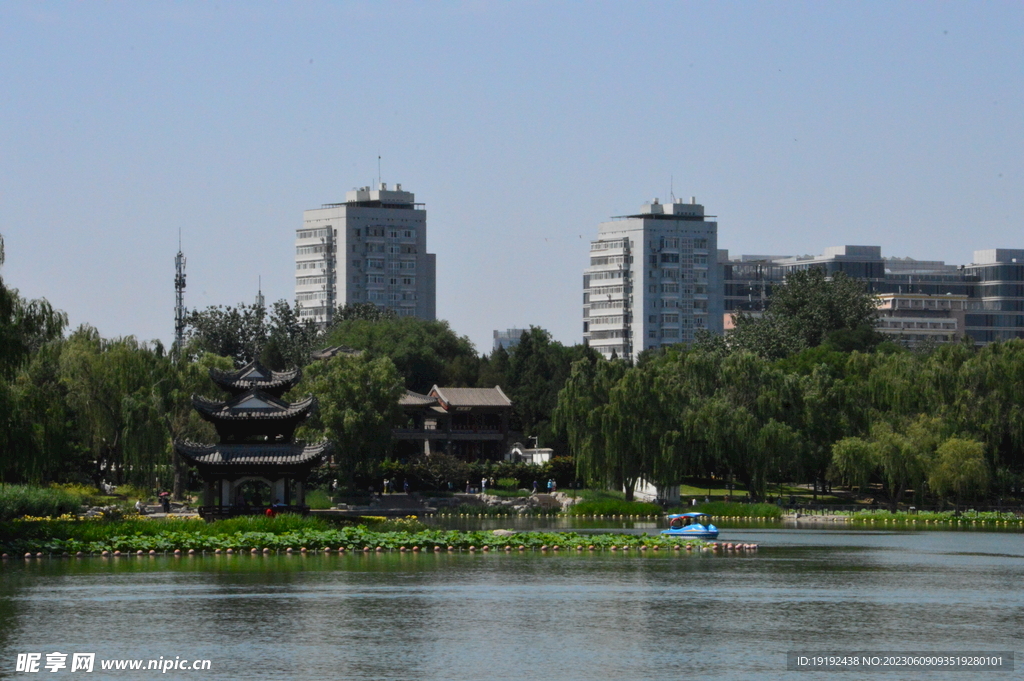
529, 616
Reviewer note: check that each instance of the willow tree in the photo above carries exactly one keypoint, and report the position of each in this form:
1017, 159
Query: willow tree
189, 376
990, 401
905, 454
33, 432
960, 469
854, 459
830, 413
358, 407
580, 412
118, 391
633, 426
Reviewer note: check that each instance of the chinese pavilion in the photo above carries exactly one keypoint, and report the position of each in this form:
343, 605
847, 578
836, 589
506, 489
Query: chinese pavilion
256, 429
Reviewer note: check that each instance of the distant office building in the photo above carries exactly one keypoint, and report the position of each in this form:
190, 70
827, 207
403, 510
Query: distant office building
370, 249
653, 280
916, 318
508, 339
990, 290
997, 303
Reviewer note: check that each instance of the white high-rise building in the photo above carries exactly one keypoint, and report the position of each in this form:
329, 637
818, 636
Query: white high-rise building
653, 280
370, 249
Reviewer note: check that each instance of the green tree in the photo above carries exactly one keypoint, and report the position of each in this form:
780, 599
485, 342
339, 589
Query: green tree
118, 392
960, 469
425, 352
580, 411
537, 369
25, 326
278, 337
633, 428
854, 460
905, 455
364, 311
358, 407
187, 378
810, 308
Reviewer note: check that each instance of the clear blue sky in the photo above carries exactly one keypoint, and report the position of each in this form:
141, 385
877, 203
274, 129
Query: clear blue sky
520, 125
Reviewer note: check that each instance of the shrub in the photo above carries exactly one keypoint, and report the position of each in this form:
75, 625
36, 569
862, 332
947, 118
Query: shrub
318, 498
23, 500
508, 483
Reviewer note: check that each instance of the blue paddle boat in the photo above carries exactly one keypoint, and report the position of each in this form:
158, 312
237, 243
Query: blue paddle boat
695, 525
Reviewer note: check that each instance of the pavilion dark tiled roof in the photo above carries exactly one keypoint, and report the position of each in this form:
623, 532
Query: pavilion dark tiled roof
255, 376
253, 405
252, 454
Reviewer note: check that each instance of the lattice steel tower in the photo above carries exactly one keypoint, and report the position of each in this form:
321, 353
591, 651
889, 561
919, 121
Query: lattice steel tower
179, 301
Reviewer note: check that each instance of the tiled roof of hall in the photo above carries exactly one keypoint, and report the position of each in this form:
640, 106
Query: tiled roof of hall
255, 375
252, 404
471, 397
252, 454
412, 399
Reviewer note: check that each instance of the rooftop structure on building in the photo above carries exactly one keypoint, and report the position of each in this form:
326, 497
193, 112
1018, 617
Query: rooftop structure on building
653, 280
372, 248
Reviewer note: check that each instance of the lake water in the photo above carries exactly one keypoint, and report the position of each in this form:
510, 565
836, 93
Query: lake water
530, 616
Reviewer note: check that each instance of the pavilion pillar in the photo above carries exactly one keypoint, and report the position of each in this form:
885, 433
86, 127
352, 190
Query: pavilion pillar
277, 489
225, 492
300, 493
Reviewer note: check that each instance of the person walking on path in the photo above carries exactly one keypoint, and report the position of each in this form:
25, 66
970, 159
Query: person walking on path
483, 485
534, 486
405, 486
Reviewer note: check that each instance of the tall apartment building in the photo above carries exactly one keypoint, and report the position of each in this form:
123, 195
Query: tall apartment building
653, 280
370, 249
990, 289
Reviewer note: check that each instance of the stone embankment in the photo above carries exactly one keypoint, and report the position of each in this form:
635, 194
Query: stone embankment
558, 501
805, 519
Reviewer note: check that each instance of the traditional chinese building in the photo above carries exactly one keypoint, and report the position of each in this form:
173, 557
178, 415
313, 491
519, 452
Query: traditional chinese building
469, 423
256, 430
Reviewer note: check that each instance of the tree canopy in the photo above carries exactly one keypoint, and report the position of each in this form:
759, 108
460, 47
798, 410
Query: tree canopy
811, 308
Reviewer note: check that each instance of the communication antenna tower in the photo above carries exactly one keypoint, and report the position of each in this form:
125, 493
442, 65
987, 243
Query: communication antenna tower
260, 301
179, 300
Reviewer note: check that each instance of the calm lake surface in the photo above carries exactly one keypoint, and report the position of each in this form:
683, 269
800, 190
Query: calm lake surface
531, 616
